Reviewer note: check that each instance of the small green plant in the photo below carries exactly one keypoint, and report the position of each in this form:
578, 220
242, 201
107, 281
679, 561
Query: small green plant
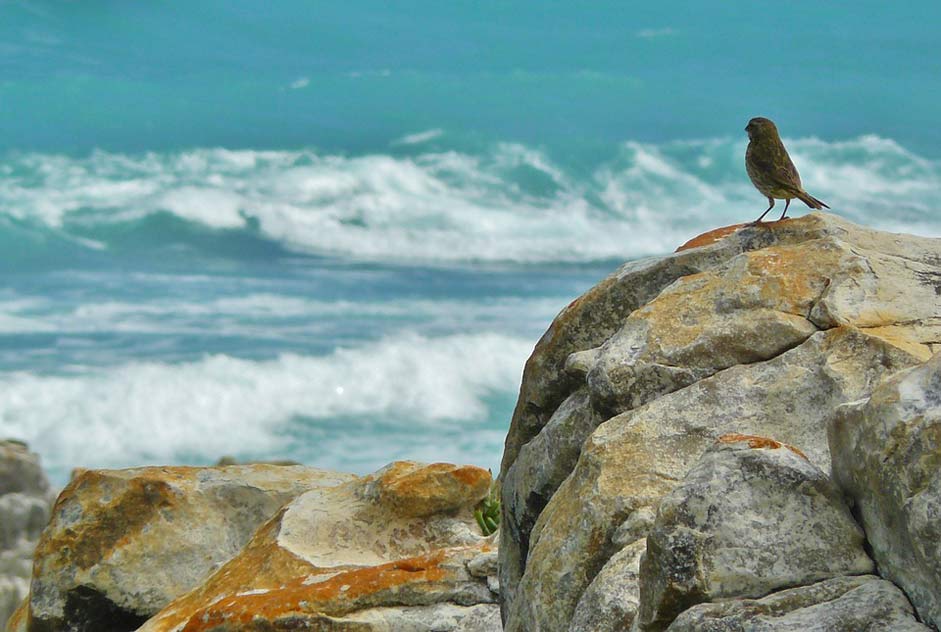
488, 512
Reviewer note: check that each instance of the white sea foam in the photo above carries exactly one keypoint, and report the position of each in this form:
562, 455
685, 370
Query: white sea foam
512, 203
419, 137
266, 315
156, 412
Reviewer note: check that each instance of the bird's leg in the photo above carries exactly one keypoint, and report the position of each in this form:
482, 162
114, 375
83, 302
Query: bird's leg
758, 221
787, 203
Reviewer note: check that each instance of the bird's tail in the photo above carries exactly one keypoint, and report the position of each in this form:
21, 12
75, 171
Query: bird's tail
811, 201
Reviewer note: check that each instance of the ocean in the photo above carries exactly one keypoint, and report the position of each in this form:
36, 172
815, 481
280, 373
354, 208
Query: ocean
333, 232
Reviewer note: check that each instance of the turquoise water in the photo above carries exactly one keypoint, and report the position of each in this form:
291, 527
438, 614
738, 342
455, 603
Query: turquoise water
333, 232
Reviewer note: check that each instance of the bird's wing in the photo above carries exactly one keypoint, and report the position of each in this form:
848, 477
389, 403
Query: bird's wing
788, 173
777, 169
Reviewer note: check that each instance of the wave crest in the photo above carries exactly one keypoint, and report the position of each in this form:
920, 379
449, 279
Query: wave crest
156, 412
510, 203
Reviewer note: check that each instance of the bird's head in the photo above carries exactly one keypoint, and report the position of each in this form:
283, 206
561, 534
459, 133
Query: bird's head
760, 127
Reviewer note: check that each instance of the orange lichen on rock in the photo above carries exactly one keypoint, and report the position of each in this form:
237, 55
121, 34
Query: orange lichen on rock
123, 515
904, 338
755, 442
421, 490
709, 237
339, 595
794, 276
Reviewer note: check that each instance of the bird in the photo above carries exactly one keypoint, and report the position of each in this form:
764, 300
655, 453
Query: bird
771, 169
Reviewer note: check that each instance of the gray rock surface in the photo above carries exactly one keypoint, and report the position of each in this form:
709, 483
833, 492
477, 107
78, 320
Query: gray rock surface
843, 604
396, 550
887, 454
585, 324
635, 458
752, 516
611, 600
760, 330
122, 544
25, 502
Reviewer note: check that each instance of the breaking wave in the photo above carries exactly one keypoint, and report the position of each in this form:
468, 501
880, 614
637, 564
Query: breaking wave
507, 203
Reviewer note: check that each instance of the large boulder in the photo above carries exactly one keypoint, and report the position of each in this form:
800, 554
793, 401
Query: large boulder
887, 455
843, 604
25, 502
397, 550
762, 330
752, 516
122, 544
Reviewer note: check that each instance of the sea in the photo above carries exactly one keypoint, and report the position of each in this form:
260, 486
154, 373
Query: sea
332, 232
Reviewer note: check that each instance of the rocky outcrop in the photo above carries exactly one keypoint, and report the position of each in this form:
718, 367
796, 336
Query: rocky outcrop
397, 550
122, 544
752, 516
887, 455
758, 330
25, 500
843, 604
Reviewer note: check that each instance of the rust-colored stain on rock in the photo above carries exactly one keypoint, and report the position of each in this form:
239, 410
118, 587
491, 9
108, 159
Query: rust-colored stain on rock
341, 594
754, 442
423, 490
132, 507
710, 237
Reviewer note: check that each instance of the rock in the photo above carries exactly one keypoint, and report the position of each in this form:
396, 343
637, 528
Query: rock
542, 465
20, 471
378, 553
12, 591
842, 604
887, 455
441, 617
611, 601
25, 501
763, 330
18, 620
635, 458
587, 323
123, 543
414, 492
752, 516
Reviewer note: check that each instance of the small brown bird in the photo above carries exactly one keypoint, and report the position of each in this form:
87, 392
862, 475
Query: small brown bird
771, 169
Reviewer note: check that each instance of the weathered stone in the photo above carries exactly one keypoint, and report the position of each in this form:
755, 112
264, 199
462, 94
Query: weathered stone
635, 458
342, 558
124, 543
18, 620
599, 313
716, 338
752, 308
440, 617
21, 516
752, 516
20, 471
887, 455
423, 491
542, 465
12, 590
25, 502
610, 602
842, 604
